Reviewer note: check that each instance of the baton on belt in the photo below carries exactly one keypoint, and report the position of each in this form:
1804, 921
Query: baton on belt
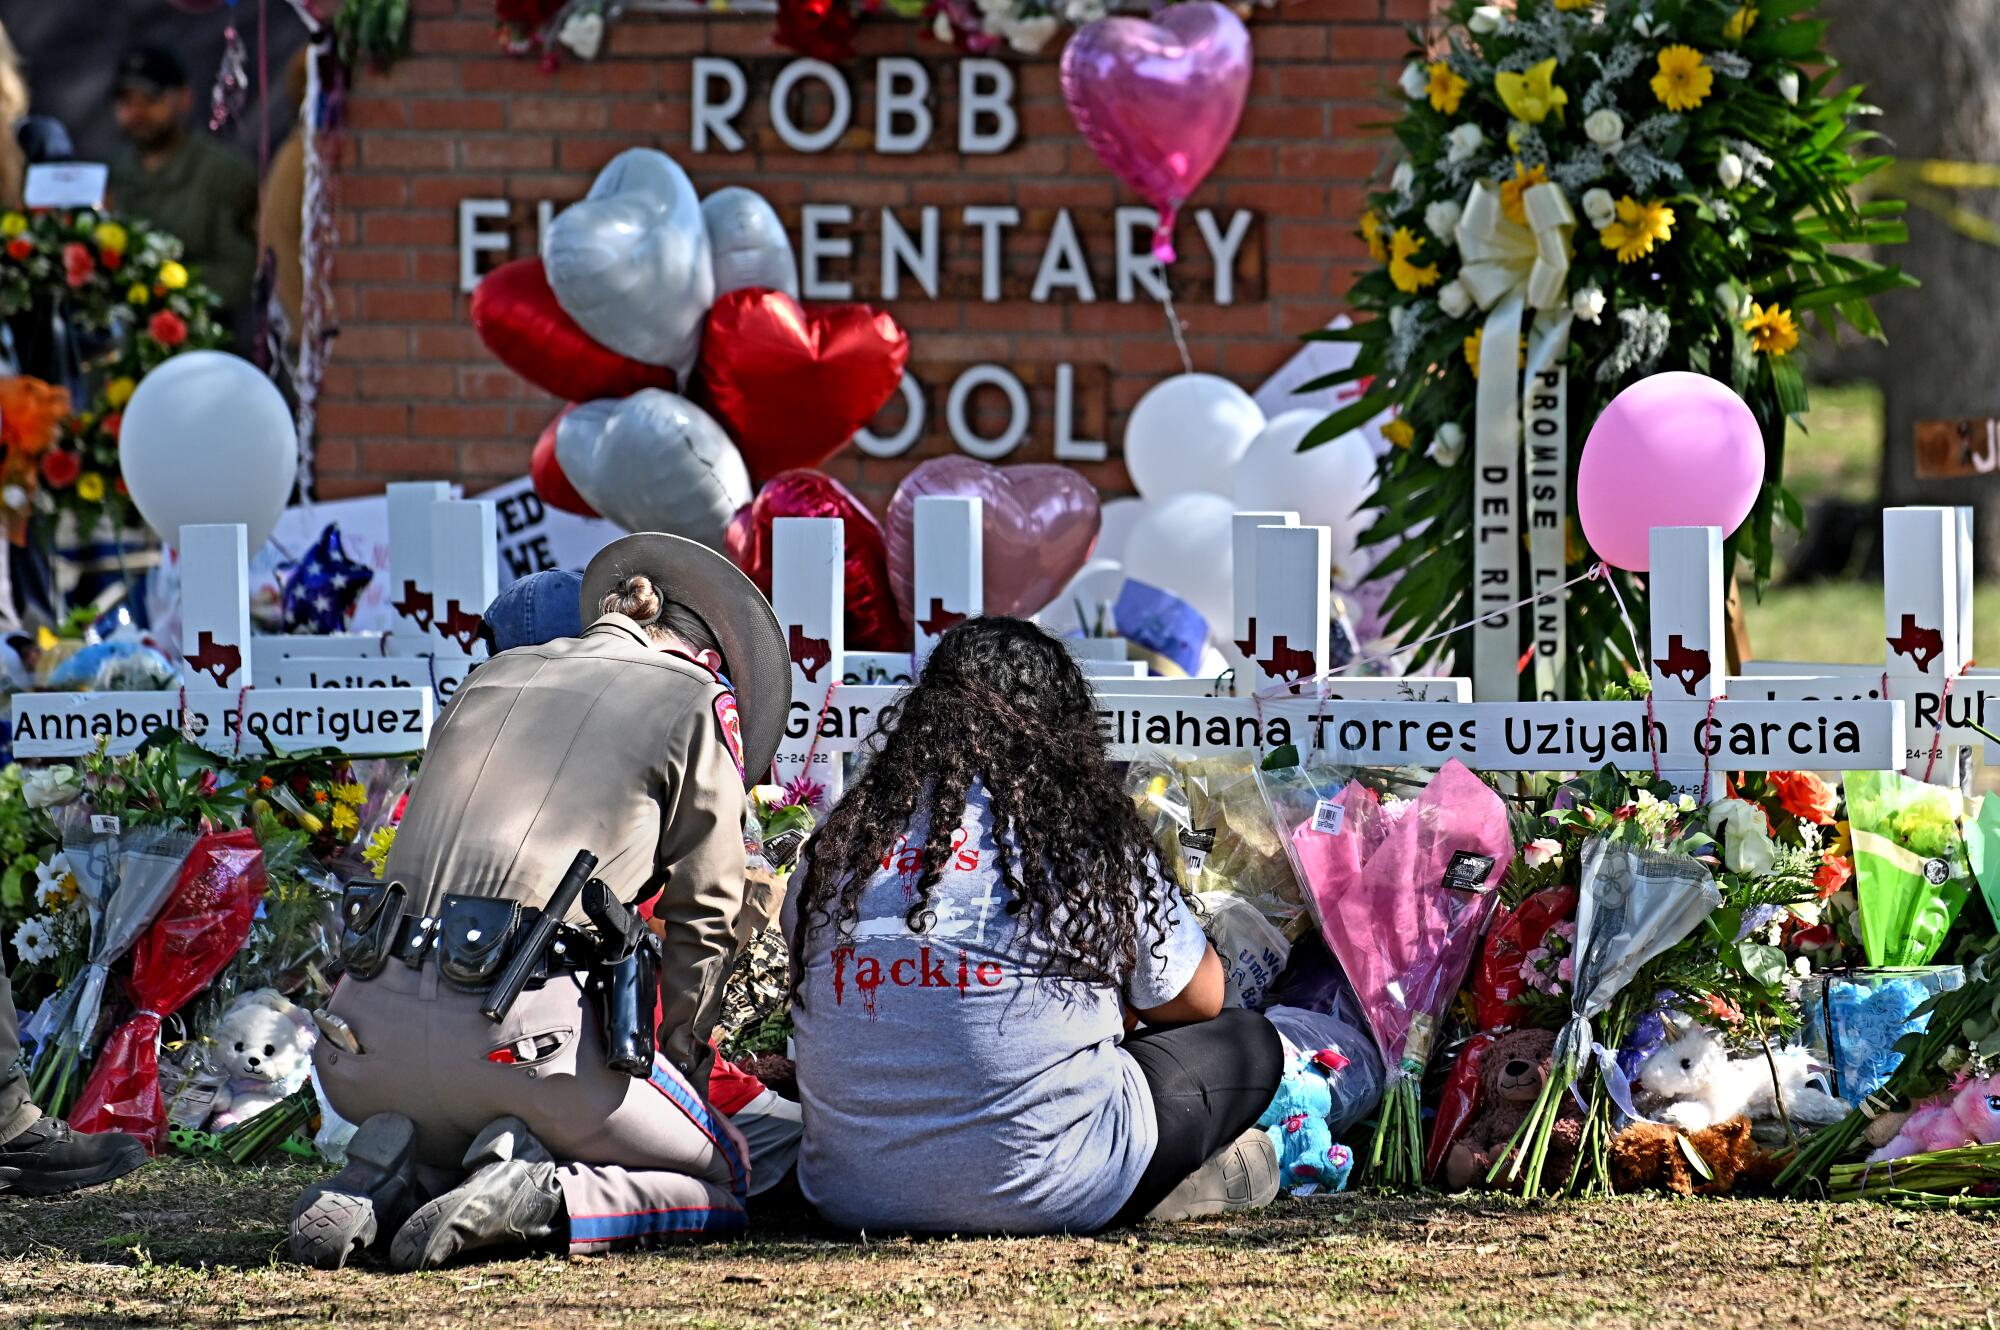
507, 987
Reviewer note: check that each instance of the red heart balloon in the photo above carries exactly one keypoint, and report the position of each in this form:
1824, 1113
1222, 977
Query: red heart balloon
547, 474
792, 385
1037, 526
516, 315
873, 622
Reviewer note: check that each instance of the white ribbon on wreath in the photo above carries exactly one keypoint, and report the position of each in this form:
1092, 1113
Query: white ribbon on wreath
1508, 268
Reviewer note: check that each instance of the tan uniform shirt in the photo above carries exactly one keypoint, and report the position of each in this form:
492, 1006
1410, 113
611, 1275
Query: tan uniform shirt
599, 743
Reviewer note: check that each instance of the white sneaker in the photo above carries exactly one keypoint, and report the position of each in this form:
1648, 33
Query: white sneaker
1242, 1175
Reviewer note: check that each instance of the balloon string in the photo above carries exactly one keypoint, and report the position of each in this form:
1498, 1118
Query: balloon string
1174, 322
1599, 570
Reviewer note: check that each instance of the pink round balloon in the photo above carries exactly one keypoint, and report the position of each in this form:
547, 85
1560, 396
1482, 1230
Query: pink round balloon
1037, 524
1158, 101
1675, 449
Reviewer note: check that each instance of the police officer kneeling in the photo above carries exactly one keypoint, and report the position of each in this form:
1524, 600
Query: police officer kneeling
625, 743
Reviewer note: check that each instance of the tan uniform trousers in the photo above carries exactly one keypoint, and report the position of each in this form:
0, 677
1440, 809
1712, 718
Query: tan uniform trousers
640, 1161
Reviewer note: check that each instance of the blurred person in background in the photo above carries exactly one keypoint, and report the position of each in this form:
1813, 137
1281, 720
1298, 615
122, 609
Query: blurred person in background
185, 181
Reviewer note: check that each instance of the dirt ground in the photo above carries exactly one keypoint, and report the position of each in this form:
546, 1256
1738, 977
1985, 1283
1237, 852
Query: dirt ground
184, 1244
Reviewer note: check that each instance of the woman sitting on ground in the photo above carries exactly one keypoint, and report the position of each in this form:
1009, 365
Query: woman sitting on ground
976, 931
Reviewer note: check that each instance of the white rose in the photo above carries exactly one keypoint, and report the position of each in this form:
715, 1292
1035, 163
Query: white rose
1644, 25
1454, 299
1416, 80
1465, 140
1486, 20
1031, 34
1606, 128
1404, 176
46, 787
583, 34
1600, 207
1729, 170
1746, 842
1788, 86
1398, 316
1448, 447
1442, 219
1587, 304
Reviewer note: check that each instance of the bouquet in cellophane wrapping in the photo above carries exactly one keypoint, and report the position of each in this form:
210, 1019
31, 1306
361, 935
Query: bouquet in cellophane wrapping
1403, 890
1634, 903
196, 934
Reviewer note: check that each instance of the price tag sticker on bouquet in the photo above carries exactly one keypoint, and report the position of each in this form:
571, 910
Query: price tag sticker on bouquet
1196, 846
1329, 816
1467, 871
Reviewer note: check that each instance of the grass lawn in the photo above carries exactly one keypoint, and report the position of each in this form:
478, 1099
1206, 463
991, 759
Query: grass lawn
186, 1244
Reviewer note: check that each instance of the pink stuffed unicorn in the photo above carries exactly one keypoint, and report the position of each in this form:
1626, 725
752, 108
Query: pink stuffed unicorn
1969, 1115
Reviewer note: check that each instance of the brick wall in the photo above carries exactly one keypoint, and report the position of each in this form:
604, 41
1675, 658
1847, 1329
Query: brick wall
410, 392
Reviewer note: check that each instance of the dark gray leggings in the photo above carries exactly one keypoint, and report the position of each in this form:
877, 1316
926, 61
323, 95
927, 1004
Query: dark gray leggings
1210, 1083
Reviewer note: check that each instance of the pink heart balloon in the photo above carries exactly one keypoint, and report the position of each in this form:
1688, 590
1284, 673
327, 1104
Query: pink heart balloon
1037, 524
1158, 101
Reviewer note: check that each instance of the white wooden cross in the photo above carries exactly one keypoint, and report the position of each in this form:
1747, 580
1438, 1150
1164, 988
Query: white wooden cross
1927, 637
223, 706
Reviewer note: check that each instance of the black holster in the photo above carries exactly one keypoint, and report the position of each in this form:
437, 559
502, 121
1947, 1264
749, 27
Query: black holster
626, 994
371, 916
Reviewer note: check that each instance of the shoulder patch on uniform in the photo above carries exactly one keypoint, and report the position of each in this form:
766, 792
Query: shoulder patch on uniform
732, 728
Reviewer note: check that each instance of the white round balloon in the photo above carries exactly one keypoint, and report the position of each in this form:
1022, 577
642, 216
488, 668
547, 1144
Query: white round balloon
1115, 521
1088, 597
1326, 486
1183, 545
208, 438
1186, 434
654, 461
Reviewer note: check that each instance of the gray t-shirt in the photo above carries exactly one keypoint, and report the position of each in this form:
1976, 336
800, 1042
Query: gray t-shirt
947, 1086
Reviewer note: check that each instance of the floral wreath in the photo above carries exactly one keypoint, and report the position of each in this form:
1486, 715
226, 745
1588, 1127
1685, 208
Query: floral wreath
821, 29
130, 303
1687, 163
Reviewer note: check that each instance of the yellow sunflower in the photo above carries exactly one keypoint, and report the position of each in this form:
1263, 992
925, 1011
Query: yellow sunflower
1638, 228
1371, 233
1772, 329
1400, 432
1446, 87
1525, 179
1407, 276
90, 485
1684, 80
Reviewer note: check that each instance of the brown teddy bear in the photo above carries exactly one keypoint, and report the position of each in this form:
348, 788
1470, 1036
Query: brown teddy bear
1648, 1156
1510, 1080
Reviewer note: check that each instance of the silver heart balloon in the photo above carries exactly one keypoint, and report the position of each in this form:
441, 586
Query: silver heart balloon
631, 262
654, 461
748, 242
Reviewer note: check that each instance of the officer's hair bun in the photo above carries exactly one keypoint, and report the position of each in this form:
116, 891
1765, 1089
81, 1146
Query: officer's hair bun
636, 598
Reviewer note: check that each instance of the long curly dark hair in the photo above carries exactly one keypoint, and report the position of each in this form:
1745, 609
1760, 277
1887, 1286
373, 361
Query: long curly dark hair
1003, 703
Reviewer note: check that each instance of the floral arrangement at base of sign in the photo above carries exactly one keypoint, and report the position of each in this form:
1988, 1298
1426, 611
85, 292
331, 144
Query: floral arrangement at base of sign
1624, 188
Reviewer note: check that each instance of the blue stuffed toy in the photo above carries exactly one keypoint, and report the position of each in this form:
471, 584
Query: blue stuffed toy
1309, 1159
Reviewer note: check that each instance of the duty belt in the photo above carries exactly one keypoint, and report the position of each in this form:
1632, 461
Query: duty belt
472, 937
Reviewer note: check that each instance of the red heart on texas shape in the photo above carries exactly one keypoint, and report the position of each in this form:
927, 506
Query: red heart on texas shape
516, 315
793, 385
551, 485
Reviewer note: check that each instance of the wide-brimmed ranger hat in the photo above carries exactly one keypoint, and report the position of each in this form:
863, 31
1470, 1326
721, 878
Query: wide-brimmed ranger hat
754, 655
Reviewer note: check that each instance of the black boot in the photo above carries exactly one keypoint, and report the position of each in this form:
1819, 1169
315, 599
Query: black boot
48, 1159
369, 1198
511, 1200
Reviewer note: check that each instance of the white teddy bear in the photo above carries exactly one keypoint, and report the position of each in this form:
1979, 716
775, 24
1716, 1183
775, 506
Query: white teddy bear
263, 1045
1708, 1086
